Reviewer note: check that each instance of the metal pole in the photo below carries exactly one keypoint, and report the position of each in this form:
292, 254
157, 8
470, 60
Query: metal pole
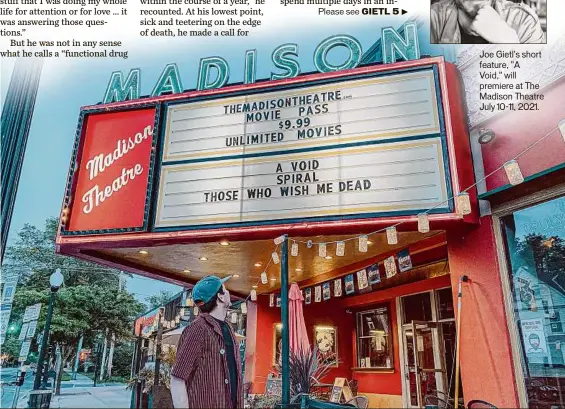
37, 380
97, 364
77, 358
158, 347
284, 319
16, 396
458, 343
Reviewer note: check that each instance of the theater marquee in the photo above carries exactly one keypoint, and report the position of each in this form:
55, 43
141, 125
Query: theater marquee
332, 153
369, 147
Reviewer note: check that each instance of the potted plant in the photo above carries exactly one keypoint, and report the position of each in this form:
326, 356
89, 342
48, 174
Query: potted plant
146, 376
306, 369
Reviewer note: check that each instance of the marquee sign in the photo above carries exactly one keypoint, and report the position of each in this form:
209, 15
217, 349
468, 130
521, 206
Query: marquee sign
380, 108
361, 148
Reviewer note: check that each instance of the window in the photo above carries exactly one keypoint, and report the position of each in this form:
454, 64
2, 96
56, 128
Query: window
445, 304
416, 307
374, 338
535, 239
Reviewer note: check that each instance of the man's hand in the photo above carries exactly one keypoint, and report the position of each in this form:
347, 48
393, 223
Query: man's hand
490, 26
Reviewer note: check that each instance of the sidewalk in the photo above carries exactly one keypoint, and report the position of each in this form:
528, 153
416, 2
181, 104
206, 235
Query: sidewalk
99, 397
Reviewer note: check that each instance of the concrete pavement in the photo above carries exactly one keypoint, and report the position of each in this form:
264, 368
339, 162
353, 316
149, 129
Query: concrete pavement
99, 397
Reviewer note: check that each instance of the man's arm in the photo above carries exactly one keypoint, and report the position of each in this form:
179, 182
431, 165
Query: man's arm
179, 393
188, 356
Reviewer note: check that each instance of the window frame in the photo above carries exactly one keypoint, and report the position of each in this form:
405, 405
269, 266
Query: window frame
498, 213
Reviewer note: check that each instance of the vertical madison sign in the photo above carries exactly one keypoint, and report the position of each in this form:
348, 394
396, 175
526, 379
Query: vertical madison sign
369, 142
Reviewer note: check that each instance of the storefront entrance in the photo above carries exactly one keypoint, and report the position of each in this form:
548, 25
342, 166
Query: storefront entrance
428, 347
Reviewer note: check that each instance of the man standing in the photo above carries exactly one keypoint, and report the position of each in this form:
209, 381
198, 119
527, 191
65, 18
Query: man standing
484, 22
207, 371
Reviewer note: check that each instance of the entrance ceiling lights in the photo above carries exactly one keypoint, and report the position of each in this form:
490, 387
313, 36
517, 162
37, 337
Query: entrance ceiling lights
203, 258
224, 243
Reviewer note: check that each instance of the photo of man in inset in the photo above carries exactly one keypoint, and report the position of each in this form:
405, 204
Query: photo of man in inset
485, 22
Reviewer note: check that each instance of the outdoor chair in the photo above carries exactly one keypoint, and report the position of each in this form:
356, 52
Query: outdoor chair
360, 401
478, 404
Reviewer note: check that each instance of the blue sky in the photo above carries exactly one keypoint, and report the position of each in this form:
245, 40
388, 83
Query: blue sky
68, 85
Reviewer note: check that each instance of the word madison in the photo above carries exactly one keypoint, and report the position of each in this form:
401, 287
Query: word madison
214, 72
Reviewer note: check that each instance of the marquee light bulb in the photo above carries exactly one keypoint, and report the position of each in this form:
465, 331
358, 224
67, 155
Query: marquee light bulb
391, 235
463, 204
340, 248
275, 257
513, 172
294, 249
423, 223
363, 241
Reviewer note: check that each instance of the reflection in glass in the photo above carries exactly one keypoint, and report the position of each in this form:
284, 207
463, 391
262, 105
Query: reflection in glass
535, 239
374, 339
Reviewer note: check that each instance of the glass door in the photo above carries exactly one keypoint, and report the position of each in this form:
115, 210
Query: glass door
425, 373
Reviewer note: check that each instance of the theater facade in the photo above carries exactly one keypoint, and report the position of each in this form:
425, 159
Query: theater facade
391, 186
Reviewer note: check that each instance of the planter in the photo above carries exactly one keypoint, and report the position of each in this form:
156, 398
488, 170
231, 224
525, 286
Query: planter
162, 397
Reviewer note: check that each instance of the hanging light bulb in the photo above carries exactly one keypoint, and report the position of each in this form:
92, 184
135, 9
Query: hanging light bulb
423, 223
309, 244
463, 204
275, 256
243, 308
195, 311
189, 302
513, 172
294, 249
264, 278
340, 248
181, 312
177, 319
322, 250
363, 243
391, 235
279, 240
234, 318
253, 295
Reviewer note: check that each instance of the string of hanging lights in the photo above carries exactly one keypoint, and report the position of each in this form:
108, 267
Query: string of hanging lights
462, 207
263, 279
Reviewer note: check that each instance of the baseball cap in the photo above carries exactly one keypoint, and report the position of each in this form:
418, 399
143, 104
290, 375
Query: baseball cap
206, 288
